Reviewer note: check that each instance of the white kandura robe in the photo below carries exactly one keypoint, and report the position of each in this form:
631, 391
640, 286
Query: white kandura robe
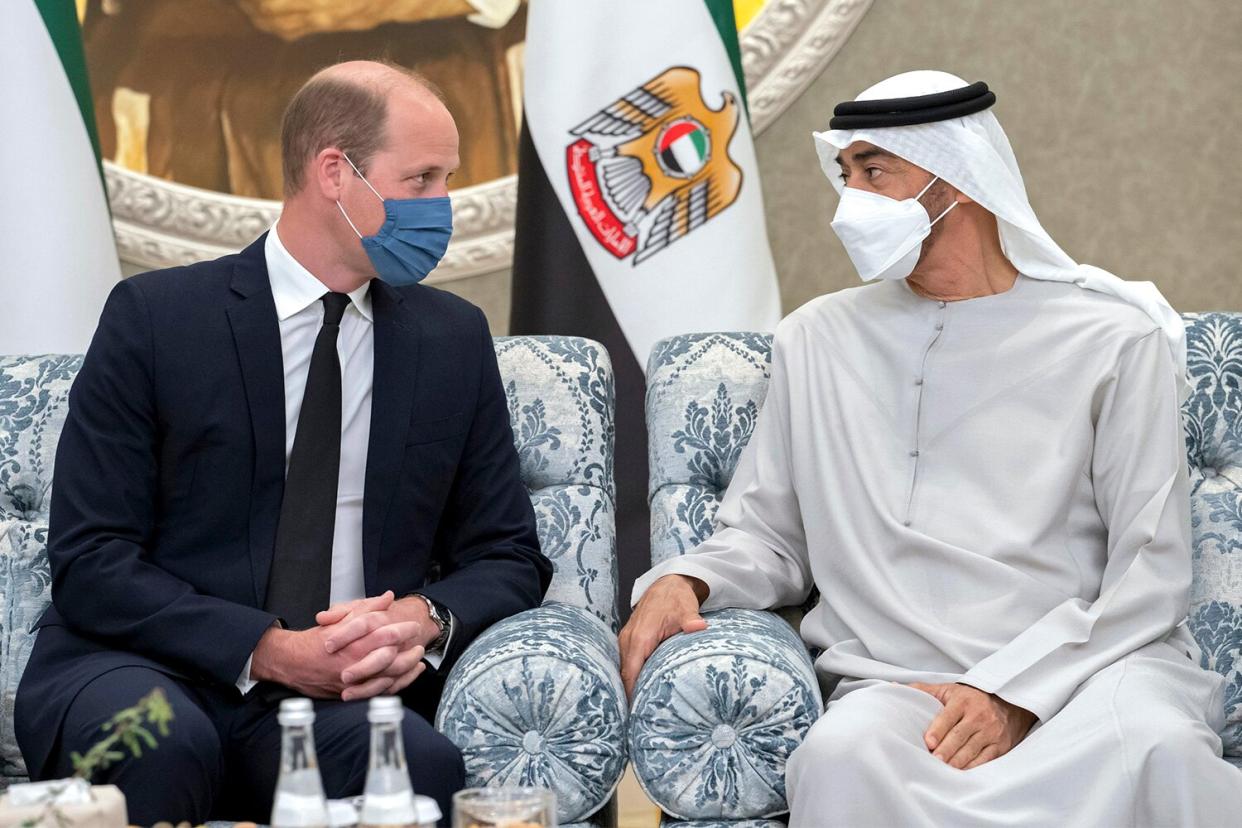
992, 491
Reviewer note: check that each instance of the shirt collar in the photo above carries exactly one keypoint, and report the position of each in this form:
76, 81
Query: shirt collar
294, 288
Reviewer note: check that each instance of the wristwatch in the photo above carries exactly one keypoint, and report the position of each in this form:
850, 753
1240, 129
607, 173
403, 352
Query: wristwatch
440, 617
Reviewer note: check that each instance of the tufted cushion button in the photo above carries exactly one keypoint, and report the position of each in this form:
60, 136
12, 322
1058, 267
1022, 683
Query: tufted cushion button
723, 737
533, 743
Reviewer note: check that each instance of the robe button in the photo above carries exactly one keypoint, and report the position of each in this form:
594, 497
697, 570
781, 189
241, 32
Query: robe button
905, 522
942, 304
918, 381
940, 326
914, 452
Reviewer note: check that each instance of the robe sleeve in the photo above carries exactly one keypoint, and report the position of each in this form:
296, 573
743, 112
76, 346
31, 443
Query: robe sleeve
757, 557
1142, 492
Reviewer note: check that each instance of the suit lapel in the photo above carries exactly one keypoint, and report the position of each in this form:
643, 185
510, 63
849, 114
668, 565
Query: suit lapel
397, 336
256, 334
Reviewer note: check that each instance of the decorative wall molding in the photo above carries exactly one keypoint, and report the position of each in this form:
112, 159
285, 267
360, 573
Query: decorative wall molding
787, 46
161, 223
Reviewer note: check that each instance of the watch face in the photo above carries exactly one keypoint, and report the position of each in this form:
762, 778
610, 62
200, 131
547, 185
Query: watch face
440, 618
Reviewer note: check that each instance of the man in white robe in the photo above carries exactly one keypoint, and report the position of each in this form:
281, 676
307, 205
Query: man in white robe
979, 461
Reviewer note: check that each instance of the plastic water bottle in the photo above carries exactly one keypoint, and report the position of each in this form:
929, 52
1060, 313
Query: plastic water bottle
388, 798
299, 800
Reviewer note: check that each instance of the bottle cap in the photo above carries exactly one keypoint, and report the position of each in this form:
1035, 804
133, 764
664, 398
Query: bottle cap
296, 711
385, 709
342, 814
426, 811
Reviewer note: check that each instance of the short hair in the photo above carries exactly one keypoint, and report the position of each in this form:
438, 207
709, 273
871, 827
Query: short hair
334, 112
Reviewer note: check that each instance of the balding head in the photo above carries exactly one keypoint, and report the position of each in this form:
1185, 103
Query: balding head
345, 106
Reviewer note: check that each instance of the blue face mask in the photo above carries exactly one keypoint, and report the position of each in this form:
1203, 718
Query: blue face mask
412, 239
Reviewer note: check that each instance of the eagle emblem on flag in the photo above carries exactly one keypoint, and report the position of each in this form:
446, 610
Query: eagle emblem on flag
654, 164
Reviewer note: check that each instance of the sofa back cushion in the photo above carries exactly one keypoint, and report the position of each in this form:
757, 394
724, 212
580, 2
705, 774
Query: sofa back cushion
560, 392
1213, 420
34, 392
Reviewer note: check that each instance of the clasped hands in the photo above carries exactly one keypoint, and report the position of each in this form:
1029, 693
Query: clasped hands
358, 649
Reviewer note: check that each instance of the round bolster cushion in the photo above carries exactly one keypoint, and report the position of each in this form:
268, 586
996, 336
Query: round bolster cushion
717, 713
537, 700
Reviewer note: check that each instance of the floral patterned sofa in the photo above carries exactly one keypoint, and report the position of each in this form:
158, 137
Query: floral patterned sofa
716, 714
537, 699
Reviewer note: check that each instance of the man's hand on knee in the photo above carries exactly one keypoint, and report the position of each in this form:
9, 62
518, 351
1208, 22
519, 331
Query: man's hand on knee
974, 727
670, 606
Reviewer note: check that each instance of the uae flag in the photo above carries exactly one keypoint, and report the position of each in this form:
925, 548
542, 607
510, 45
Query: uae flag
639, 212
57, 255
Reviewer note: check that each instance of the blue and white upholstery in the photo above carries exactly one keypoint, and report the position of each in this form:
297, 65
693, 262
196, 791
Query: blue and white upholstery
34, 393
537, 699
1213, 419
668, 822
716, 714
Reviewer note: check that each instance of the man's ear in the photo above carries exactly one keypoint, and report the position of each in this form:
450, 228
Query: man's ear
328, 170
962, 198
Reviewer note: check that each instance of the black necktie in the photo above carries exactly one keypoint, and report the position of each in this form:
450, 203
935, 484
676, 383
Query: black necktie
300, 583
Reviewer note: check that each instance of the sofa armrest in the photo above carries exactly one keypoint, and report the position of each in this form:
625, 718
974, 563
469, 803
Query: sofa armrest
717, 713
537, 699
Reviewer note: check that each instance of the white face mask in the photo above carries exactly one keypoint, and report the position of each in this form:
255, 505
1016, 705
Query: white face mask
883, 236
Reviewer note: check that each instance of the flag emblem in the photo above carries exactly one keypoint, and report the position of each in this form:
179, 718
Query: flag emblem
683, 148
654, 165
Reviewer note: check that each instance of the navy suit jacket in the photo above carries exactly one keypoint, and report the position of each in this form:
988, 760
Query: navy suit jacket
170, 472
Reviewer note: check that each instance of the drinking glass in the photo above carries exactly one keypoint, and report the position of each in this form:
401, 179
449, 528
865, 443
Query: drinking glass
504, 808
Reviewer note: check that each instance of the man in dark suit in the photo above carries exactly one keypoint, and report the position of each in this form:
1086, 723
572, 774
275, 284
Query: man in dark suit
253, 439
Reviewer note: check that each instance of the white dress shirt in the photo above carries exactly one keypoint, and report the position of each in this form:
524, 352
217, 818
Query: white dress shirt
297, 293
299, 310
